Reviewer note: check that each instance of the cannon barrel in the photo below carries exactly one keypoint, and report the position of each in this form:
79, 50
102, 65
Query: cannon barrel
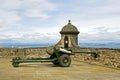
93, 54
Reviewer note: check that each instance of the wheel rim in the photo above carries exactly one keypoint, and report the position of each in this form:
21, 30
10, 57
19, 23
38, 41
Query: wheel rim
65, 61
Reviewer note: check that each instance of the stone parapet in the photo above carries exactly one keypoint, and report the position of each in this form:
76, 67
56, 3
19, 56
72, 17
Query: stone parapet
108, 57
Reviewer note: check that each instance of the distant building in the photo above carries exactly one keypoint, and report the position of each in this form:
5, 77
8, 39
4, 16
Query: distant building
69, 36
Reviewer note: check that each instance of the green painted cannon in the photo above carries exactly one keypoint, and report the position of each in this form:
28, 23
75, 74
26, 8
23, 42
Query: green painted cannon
60, 56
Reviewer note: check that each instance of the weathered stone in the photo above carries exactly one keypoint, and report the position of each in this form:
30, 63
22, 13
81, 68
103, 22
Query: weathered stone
69, 36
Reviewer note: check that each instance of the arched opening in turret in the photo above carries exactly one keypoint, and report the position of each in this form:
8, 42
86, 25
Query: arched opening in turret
66, 42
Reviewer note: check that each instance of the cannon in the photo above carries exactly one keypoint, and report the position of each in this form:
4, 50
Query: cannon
59, 56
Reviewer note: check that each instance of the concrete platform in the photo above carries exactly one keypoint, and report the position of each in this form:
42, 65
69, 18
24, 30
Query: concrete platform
47, 71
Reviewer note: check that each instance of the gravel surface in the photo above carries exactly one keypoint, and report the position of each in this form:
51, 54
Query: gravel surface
48, 71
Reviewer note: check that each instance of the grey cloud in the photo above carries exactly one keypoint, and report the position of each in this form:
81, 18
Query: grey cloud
30, 38
54, 38
101, 35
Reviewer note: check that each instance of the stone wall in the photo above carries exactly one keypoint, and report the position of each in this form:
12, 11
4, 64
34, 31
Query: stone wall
108, 57
23, 52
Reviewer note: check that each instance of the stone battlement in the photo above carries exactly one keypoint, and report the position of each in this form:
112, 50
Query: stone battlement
108, 57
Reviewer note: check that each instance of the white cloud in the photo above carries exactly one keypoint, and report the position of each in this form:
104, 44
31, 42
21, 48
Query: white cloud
10, 14
10, 4
38, 8
31, 37
8, 18
100, 35
36, 13
45, 30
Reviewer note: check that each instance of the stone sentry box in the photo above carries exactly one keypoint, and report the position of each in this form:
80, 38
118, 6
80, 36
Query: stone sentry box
69, 36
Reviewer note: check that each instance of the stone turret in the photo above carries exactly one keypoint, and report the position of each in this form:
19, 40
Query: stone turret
69, 36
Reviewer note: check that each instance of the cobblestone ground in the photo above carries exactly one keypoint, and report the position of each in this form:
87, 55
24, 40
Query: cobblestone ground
47, 71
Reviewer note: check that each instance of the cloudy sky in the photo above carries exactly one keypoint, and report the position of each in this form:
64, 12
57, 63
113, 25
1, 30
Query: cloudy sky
40, 21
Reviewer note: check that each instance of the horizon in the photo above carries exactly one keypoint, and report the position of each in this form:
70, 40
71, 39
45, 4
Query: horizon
36, 45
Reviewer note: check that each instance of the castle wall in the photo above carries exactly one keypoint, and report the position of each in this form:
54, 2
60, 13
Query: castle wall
22, 52
108, 57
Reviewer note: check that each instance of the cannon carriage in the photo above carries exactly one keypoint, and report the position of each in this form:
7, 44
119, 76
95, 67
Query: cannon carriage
59, 56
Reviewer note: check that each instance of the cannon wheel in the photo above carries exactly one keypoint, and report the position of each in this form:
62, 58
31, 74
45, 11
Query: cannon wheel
64, 60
